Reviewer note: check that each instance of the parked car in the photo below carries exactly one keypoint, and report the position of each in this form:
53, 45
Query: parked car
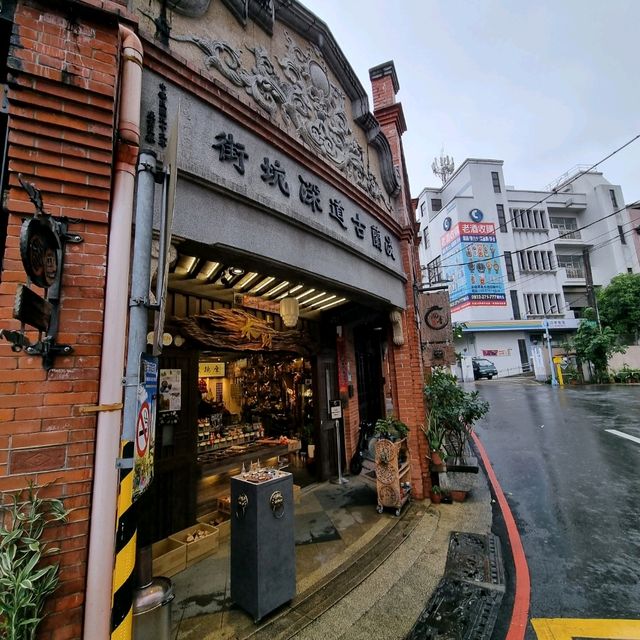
483, 368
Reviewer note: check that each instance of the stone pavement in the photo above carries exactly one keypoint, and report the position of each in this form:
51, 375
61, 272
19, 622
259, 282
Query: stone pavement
376, 588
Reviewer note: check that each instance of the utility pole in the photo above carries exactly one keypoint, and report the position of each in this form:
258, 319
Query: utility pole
547, 337
591, 294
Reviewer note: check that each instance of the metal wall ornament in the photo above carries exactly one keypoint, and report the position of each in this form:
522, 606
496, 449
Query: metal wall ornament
276, 502
242, 504
296, 87
42, 243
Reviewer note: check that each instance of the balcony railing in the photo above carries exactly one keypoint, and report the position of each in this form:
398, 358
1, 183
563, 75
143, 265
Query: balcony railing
575, 273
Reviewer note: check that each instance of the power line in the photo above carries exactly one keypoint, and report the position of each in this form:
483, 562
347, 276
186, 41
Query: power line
554, 191
543, 242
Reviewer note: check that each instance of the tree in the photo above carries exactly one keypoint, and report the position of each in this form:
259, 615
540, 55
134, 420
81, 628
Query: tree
619, 305
596, 346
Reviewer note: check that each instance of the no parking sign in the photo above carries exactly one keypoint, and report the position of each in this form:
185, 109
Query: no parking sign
145, 425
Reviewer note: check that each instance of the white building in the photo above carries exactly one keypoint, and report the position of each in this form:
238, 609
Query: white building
516, 260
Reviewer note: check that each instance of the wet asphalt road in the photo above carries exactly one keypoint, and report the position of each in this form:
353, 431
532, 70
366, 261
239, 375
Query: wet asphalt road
574, 490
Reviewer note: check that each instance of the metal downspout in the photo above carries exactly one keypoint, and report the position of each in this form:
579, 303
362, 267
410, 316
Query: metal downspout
107, 448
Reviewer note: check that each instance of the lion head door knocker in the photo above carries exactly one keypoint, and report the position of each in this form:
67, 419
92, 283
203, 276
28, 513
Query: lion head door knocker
241, 507
277, 504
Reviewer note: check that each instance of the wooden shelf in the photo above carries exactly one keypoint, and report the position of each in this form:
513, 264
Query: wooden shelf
390, 473
227, 464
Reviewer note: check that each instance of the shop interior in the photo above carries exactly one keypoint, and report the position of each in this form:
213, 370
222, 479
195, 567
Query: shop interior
226, 410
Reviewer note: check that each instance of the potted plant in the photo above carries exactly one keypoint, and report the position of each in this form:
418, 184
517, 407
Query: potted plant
435, 437
435, 494
308, 438
390, 428
454, 412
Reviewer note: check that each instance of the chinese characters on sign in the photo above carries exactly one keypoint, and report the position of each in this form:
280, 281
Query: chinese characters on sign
471, 263
231, 151
274, 174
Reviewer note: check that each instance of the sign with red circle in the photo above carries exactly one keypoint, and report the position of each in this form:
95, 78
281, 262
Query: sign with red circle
142, 429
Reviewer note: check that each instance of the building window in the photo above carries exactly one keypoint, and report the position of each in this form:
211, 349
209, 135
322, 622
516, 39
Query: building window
621, 232
515, 305
509, 263
568, 227
501, 219
528, 219
573, 264
543, 304
436, 204
434, 271
614, 200
495, 178
425, 235
422, 209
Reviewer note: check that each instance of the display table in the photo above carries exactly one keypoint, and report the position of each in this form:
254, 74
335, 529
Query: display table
263, 567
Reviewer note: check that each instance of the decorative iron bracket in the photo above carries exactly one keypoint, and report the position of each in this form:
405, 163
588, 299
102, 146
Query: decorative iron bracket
42, 245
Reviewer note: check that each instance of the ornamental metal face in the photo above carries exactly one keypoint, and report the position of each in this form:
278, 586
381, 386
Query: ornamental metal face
39, 247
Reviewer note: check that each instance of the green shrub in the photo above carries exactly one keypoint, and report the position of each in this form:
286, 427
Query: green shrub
25, 581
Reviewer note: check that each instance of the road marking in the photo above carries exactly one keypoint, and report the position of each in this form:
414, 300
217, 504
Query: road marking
623, 435
570, 628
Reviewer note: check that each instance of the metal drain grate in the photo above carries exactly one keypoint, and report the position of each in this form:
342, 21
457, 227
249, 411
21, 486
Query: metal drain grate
465, 604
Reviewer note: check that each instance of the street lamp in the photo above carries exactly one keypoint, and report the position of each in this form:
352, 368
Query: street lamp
547, 336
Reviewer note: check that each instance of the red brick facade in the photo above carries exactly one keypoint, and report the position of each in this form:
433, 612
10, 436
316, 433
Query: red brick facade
63, 70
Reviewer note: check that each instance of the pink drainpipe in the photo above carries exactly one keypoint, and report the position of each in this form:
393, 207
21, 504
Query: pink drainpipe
97, 612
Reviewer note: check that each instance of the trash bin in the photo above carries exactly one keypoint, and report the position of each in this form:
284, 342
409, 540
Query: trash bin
152, 610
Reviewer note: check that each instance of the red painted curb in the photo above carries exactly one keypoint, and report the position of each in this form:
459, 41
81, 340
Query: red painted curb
520, 613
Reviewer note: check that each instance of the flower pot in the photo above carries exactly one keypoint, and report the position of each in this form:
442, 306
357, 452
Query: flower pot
458, 495
436, 458
436, 498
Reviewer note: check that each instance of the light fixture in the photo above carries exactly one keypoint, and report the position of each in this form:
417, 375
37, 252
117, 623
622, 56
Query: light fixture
229, 274
185, 264
322, 301
312, 298
249, 278
333, 303
288, 293
277, 288
261, 285
208, 269
178, 340
289, 310
304, 294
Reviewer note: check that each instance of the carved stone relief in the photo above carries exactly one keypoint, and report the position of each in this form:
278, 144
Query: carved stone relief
297, 89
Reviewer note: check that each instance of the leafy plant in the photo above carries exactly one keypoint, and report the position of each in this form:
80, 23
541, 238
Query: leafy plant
434, 433
391, 428
25, 583
596, 345
619, 304
436, 490
453, 410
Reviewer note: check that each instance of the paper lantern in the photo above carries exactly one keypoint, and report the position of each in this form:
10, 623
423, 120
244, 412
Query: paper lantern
289, 311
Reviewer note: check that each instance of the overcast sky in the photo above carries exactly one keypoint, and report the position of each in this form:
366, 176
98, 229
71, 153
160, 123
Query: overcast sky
542, 85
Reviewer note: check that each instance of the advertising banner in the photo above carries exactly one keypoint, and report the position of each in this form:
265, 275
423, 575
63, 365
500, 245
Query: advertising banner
145, 425
470, 261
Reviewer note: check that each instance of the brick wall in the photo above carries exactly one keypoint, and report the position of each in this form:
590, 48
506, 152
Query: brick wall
62, 78
405, 360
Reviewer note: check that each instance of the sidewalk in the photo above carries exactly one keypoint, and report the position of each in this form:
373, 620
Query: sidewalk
360, 576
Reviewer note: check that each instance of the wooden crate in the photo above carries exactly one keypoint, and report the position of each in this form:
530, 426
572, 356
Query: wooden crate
169, 557
223, 520
201, 548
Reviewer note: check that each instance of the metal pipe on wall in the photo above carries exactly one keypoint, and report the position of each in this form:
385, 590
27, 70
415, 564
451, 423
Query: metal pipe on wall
107, 447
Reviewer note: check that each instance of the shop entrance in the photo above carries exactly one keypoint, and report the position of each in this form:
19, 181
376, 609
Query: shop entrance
368, 348
327, 391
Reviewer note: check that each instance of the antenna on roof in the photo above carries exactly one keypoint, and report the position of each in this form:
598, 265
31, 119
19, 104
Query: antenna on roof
443, 167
